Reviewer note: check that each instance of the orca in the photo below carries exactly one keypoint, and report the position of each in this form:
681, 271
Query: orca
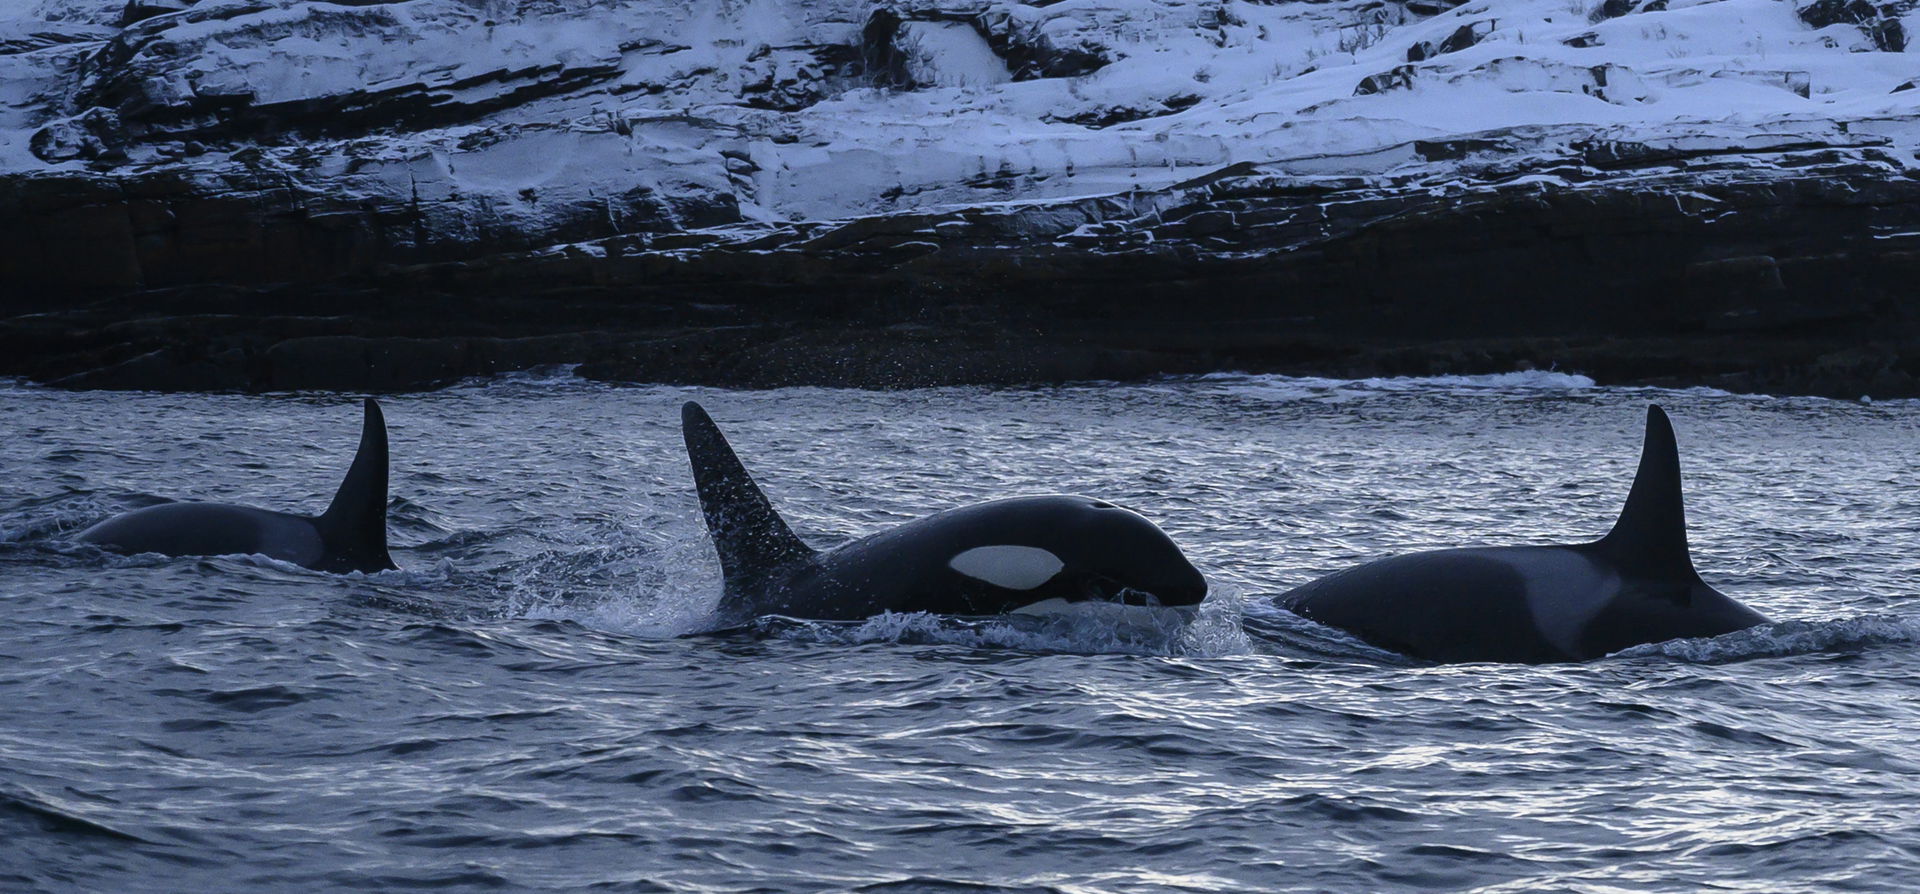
350, 536
1024, 553
1540, 604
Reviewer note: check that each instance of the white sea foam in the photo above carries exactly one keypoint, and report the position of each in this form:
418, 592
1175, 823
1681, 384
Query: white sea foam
1089, 632
1290, 388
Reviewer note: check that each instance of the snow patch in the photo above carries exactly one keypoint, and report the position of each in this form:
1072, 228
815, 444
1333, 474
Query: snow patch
949, 54
768, 108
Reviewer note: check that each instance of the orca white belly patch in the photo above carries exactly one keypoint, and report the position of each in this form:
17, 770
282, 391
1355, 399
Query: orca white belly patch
1010, 567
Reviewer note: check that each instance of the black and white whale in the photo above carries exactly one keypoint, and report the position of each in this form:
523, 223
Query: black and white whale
1537, 604
1026, 553
350, 536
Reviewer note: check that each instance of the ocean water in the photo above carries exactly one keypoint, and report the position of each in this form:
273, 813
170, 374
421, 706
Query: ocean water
534, 702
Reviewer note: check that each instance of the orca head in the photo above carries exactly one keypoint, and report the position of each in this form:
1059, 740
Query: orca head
1076, 549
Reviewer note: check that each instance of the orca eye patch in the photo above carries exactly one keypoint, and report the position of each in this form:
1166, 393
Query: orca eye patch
1009, 567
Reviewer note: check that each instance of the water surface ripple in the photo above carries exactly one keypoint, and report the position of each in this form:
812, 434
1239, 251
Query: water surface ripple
517, 708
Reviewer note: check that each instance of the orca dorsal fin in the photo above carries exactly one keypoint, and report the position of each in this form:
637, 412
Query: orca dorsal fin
354, 527
1650, 537
752, 539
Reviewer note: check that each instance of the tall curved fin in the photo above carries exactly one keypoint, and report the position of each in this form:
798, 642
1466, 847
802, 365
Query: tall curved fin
354, 527
1650, 537
752, 539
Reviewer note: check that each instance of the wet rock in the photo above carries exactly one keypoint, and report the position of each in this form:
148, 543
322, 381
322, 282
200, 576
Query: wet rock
898, 356
298, 354
359, 363
364, 364
1636, 270
175, 368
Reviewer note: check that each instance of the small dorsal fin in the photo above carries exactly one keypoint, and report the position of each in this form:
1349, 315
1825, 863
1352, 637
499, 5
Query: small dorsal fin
354, 527
752, 539
1650, 538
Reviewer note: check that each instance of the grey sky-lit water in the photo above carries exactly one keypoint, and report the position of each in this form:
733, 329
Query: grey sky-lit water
515, 709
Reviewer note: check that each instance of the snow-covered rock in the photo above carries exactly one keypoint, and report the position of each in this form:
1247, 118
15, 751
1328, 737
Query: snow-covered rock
498, 123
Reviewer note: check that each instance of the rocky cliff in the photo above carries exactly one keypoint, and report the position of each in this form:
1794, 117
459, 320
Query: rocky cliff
268, 194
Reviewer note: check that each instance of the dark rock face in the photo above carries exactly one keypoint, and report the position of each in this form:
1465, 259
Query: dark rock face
1463, 37
106, 234
1117, 114
1784, 268
124, 77
1613, 9
92, 135
1429, 8
1027, 52
1400, 78
141, 10
1879, 21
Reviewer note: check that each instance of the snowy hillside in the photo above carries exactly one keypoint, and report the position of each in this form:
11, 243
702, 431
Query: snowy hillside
663, 114
294, 194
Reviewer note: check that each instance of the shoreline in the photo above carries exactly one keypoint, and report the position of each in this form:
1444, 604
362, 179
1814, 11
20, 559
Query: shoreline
350, 364
1783, 270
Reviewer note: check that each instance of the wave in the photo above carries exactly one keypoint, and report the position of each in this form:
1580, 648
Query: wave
1295, 636
1083, 629
1278, 387
639, 578
922, 884
1786, 638
55, 820
51, 517
662, 617
1535, 382
550, 377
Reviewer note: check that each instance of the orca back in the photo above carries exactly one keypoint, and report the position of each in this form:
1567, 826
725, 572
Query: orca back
209, 529
1547, 603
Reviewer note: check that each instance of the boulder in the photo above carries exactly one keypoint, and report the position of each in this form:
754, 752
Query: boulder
93, 135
